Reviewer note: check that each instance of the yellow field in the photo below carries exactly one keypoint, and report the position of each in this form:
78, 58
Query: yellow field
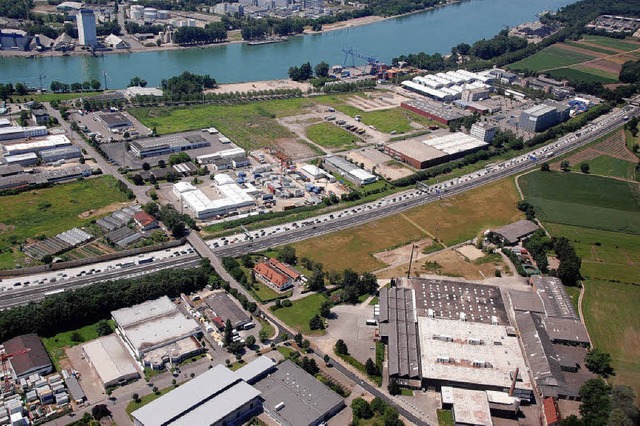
452, 220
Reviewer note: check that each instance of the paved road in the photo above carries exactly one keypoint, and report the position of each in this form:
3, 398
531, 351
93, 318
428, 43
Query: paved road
406, 200
23, 296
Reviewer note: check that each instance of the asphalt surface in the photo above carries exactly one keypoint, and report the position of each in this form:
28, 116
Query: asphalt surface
22, 296
408, 199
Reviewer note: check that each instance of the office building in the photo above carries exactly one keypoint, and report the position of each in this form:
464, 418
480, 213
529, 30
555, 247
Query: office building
541, 117
483, 131
86, 21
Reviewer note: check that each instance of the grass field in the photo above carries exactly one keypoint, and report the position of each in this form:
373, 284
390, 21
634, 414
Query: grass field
331, 136
50, 211
610, 166
445, 418
452, 220
144, 400
583, 200
583, 73
300, 313
50, 97
611, 42
388, 120
613, 321
56, 345
574, 294
551, 57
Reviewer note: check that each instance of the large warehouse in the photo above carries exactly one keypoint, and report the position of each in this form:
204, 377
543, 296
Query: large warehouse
232, 198
49, 142
150, 147
19, 132
437, 112
434, 151
35, 360
348, 170
111, 361
156, 324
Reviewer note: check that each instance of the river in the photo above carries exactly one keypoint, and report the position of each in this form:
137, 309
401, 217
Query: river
431, 31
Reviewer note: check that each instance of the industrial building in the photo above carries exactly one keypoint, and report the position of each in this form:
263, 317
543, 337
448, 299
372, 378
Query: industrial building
50, 156
483, 131
555, 299
434, 151
469, 407
35, 361
216, 397
86, 21
115, 42
19, 132
150, 147
113, 120
133, 91
156, 324
111, 361
313, 172
36, 145
472, 355
233, 198
349, 171
224, 154
293, 397
399, 329
226, 309
24, 160
515, 232
439, 113
451, 85
543, 116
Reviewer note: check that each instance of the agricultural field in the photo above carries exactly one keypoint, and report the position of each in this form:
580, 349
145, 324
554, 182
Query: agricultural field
331, 136
612, 167
50, 211
451, 220
583, 200
551, 57
612, 43
613, 321
300, 313
581, 73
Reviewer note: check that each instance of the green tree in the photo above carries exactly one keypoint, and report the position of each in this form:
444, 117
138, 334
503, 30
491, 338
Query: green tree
287, 254
571, 420
76, 337
135, 397
262, 334
584, 167
100, 411
393, 388
298, 339
378, 405
599, 362
137, 179
284, 337
564, 165
325, 309
250, 341
322, 70
341, 348
103, 328
95, 84
316, 323
361, 408
228, 333
370, 368
596, 404
544, 167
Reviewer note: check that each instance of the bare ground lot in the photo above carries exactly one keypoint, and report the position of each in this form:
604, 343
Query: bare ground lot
260, 85
383, 164
374, 103
296, 149
402, 254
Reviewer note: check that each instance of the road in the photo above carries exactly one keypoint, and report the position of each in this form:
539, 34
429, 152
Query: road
293, 232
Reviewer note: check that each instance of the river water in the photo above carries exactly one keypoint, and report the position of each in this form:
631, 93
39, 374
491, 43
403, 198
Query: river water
431, 31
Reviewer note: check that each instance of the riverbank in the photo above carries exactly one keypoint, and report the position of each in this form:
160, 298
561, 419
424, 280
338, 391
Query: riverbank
136, 47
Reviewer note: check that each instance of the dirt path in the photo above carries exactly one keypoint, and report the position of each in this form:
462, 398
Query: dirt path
418, 226
595, 255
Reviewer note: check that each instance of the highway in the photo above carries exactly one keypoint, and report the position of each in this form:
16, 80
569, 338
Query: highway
254, 241
21, 296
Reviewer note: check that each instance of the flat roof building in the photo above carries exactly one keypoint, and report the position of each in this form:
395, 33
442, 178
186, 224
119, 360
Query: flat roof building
133, 91
111, 361
554, 296
348, 170
19, 132
113, 120
294, 397
434, 151
216, 397
36, 145
436, 112
49, 156
470, 407
541, 117
232, 198
149, 147
25, 160
153, 324
483, 131
472, 355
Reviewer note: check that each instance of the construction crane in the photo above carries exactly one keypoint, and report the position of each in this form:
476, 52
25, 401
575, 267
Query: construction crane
350, 52
4, 359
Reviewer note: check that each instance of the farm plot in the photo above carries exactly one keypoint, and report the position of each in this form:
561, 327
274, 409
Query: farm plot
551, 57
583, 200
331, 136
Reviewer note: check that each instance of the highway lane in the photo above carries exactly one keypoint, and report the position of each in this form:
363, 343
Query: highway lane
22, 296
373, 213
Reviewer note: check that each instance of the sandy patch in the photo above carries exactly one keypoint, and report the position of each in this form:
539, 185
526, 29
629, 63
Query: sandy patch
294, 148
104, 210
261, 85
470, 252
403, 254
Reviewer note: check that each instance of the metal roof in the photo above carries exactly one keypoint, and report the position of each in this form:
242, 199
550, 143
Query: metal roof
555, 299
402, 332
516, 230
255, 368
525, 301
110, 360
37, 356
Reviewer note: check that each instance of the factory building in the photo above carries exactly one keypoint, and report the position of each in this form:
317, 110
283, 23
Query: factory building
438, 113
24, 160
483, 131
543, 116
50, 156
150, 147
156, 331
226, 309
35, 361
434, 151
232, 198
224, 154
113, 120
19, 132
111, 361
348, 170
86, 21
37, 145
216, 397
313, 172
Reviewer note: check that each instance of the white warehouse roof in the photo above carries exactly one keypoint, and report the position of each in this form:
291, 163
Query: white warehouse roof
312, 170
454, 143
182, 187
48, 142
223, 179
110, 360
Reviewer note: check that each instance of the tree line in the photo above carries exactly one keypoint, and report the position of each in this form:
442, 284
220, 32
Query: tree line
87, 305
88, 85
212, 33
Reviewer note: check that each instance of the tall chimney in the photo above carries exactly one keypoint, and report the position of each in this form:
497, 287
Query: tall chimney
513, 382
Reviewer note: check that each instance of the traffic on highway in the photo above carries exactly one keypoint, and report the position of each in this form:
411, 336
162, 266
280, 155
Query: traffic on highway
256, 240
